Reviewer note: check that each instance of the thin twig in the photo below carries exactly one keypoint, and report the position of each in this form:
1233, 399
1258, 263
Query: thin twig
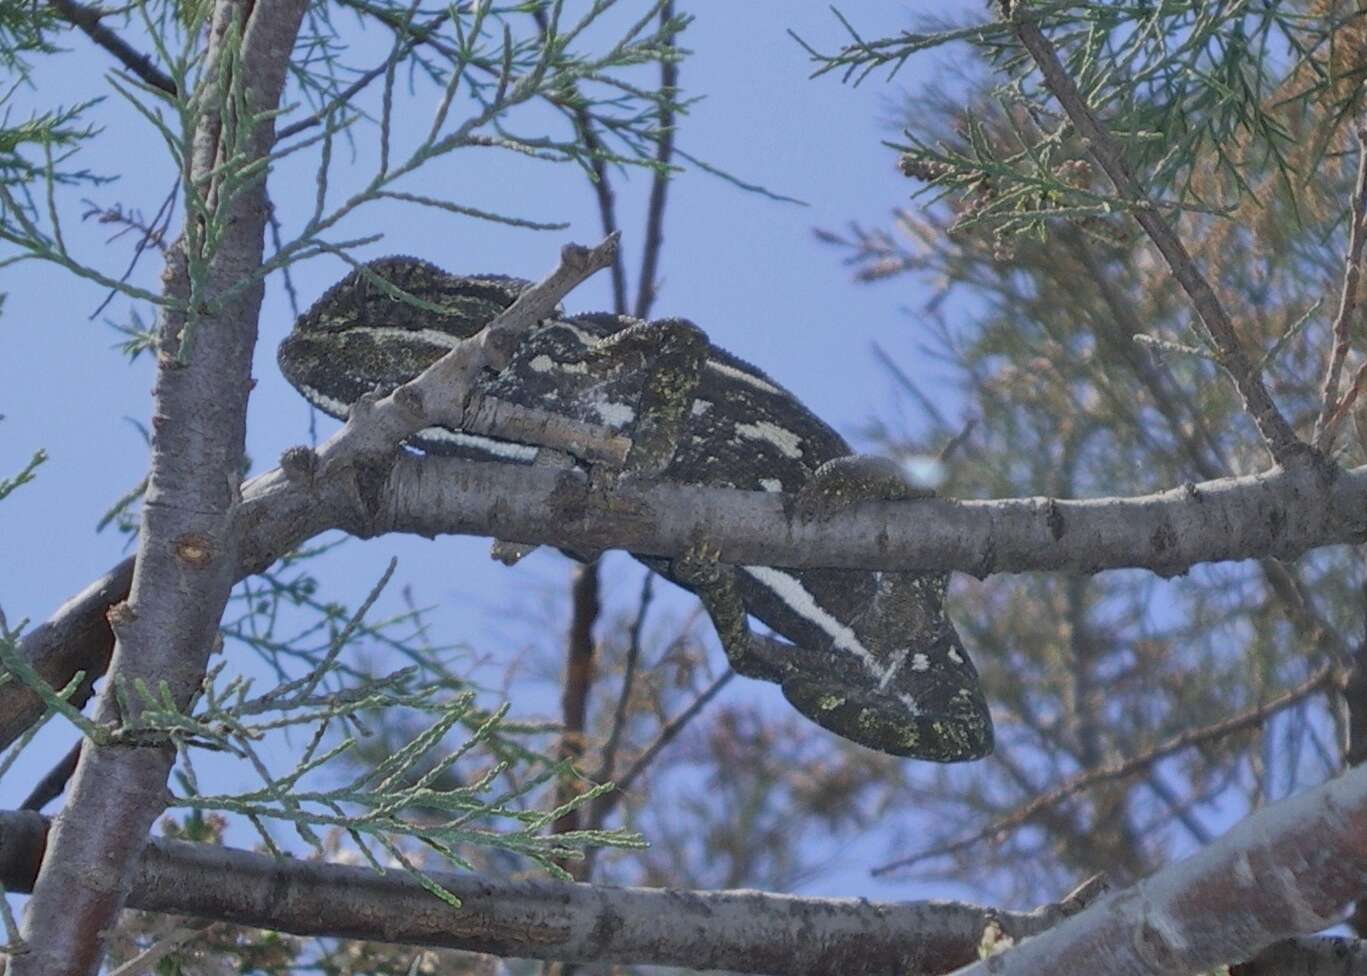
671, 729
602, 186
574, 699
659, 184
1318, 681
1081, 897
1341, 410
153, 954
350, 91
1277, 434
958, 440
1348, 300
153, 235
87, 20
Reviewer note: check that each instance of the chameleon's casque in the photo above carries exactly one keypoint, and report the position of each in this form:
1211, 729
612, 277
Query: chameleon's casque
877, 661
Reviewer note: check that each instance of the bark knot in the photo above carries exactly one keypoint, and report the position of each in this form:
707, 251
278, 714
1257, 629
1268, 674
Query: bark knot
194, 550
1053, 517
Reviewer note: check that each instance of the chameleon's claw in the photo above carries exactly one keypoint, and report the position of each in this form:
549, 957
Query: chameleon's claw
845, 481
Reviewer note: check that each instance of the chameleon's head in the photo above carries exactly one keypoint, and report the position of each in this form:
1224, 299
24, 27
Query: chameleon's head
904, 684
382, 325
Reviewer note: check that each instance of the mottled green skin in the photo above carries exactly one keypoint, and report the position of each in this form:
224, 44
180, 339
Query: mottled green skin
873, 656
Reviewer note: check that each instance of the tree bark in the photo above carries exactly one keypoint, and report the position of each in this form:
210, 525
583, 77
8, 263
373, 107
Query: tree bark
748, 931
188, 545
1281, 512
1287, 870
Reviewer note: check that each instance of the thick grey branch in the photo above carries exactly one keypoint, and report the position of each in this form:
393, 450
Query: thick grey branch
1287, 870
188, 543
747, 931
1282, 513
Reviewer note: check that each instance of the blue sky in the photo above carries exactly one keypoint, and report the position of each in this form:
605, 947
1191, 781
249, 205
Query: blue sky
745, 268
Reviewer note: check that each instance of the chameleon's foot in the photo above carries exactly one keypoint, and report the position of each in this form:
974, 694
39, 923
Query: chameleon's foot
844, 481
675, 352
511, 553
933, 717
698, 567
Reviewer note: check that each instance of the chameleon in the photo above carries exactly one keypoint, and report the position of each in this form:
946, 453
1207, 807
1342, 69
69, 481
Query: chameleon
871, 656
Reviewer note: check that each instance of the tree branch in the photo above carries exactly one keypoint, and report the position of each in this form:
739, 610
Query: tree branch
1286, 870
189, 537
1283, 513
748, 931
87, 19
1277, 434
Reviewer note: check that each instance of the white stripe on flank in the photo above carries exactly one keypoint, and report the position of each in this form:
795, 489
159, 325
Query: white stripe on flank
507, 449
788, 443
791, 591
726, 369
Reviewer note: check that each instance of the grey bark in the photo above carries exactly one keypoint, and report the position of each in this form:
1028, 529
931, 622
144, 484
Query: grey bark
1287, 870
1280, 512
187, 553
747, 931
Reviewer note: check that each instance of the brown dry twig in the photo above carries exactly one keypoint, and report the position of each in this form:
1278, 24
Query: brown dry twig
88, 21
667, 734
1320, 680
1332, 409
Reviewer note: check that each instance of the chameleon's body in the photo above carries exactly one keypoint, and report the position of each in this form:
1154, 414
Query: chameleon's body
876, 660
